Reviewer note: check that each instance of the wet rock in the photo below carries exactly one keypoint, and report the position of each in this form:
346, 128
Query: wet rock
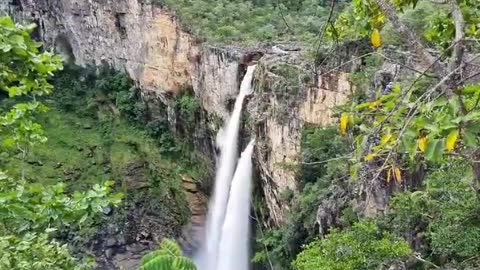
109, 253
111, 242
121, 240
107, 210
136, 248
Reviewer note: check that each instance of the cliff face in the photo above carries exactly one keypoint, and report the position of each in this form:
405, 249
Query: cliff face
145, 41
133, 36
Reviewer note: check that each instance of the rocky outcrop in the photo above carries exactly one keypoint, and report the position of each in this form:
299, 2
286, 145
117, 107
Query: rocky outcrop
145, 41
137, 37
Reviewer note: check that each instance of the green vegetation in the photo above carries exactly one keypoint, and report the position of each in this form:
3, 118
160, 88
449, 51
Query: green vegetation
420, 137
224, 20
283, 244
96, 131
444, 217
168, 257
62, 155
362, 247
34, 213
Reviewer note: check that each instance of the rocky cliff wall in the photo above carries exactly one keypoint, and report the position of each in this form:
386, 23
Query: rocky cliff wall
137, 37
146, 41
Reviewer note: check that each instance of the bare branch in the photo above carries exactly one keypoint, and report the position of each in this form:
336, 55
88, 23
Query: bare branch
353, 59
325, 161
458, 47
411, 38
283, 16
324, 30
419, 257
459, 42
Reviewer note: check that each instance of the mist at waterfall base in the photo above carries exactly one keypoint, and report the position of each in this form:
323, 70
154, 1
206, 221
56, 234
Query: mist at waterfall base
226, 241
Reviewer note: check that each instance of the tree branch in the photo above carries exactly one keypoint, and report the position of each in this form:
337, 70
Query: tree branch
458, 49
459, 42
411, 38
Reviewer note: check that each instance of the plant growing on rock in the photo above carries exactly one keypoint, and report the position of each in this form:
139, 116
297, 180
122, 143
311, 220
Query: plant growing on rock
362, 247
442, 221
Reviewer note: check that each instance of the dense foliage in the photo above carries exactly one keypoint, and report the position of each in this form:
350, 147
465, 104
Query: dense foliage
224, 20
96, 129
441, 221
363, 247
32, 213
112, 134
422, 126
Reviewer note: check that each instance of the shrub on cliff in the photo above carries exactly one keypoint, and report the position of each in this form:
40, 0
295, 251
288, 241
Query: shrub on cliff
442, 221
362, 247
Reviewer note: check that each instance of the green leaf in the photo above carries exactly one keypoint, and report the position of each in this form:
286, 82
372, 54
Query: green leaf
470, 139
435, 149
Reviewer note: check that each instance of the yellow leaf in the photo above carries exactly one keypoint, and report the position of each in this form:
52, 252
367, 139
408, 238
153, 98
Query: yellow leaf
344, 124
452, 140
369, 157
398, 174
376, 38
389, 175
373, 105
381, 19
385, 139
422, 144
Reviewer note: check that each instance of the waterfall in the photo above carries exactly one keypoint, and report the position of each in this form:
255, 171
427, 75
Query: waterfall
227, 140
234, 245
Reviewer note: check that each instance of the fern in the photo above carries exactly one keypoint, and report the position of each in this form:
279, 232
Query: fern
168, 257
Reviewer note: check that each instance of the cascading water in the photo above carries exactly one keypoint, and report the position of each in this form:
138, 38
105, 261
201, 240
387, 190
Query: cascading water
234, 245
207, 258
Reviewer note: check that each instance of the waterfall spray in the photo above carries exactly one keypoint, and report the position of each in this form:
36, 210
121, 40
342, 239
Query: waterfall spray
234, 244
227, 141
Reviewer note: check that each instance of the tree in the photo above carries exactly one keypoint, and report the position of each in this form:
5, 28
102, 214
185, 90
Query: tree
362, 247
168, 257
434, 118
32, 214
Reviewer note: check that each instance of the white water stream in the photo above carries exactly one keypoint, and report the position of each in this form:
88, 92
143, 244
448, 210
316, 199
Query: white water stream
234, 245
210, 254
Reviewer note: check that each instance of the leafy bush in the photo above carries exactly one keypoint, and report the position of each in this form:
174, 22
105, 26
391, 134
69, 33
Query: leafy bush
168, 257
362, 247
444, 218
188, 108
34, 251
34, 207
31, 212
318, 146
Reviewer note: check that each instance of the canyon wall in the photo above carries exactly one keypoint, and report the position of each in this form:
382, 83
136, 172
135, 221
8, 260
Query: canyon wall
147, 42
